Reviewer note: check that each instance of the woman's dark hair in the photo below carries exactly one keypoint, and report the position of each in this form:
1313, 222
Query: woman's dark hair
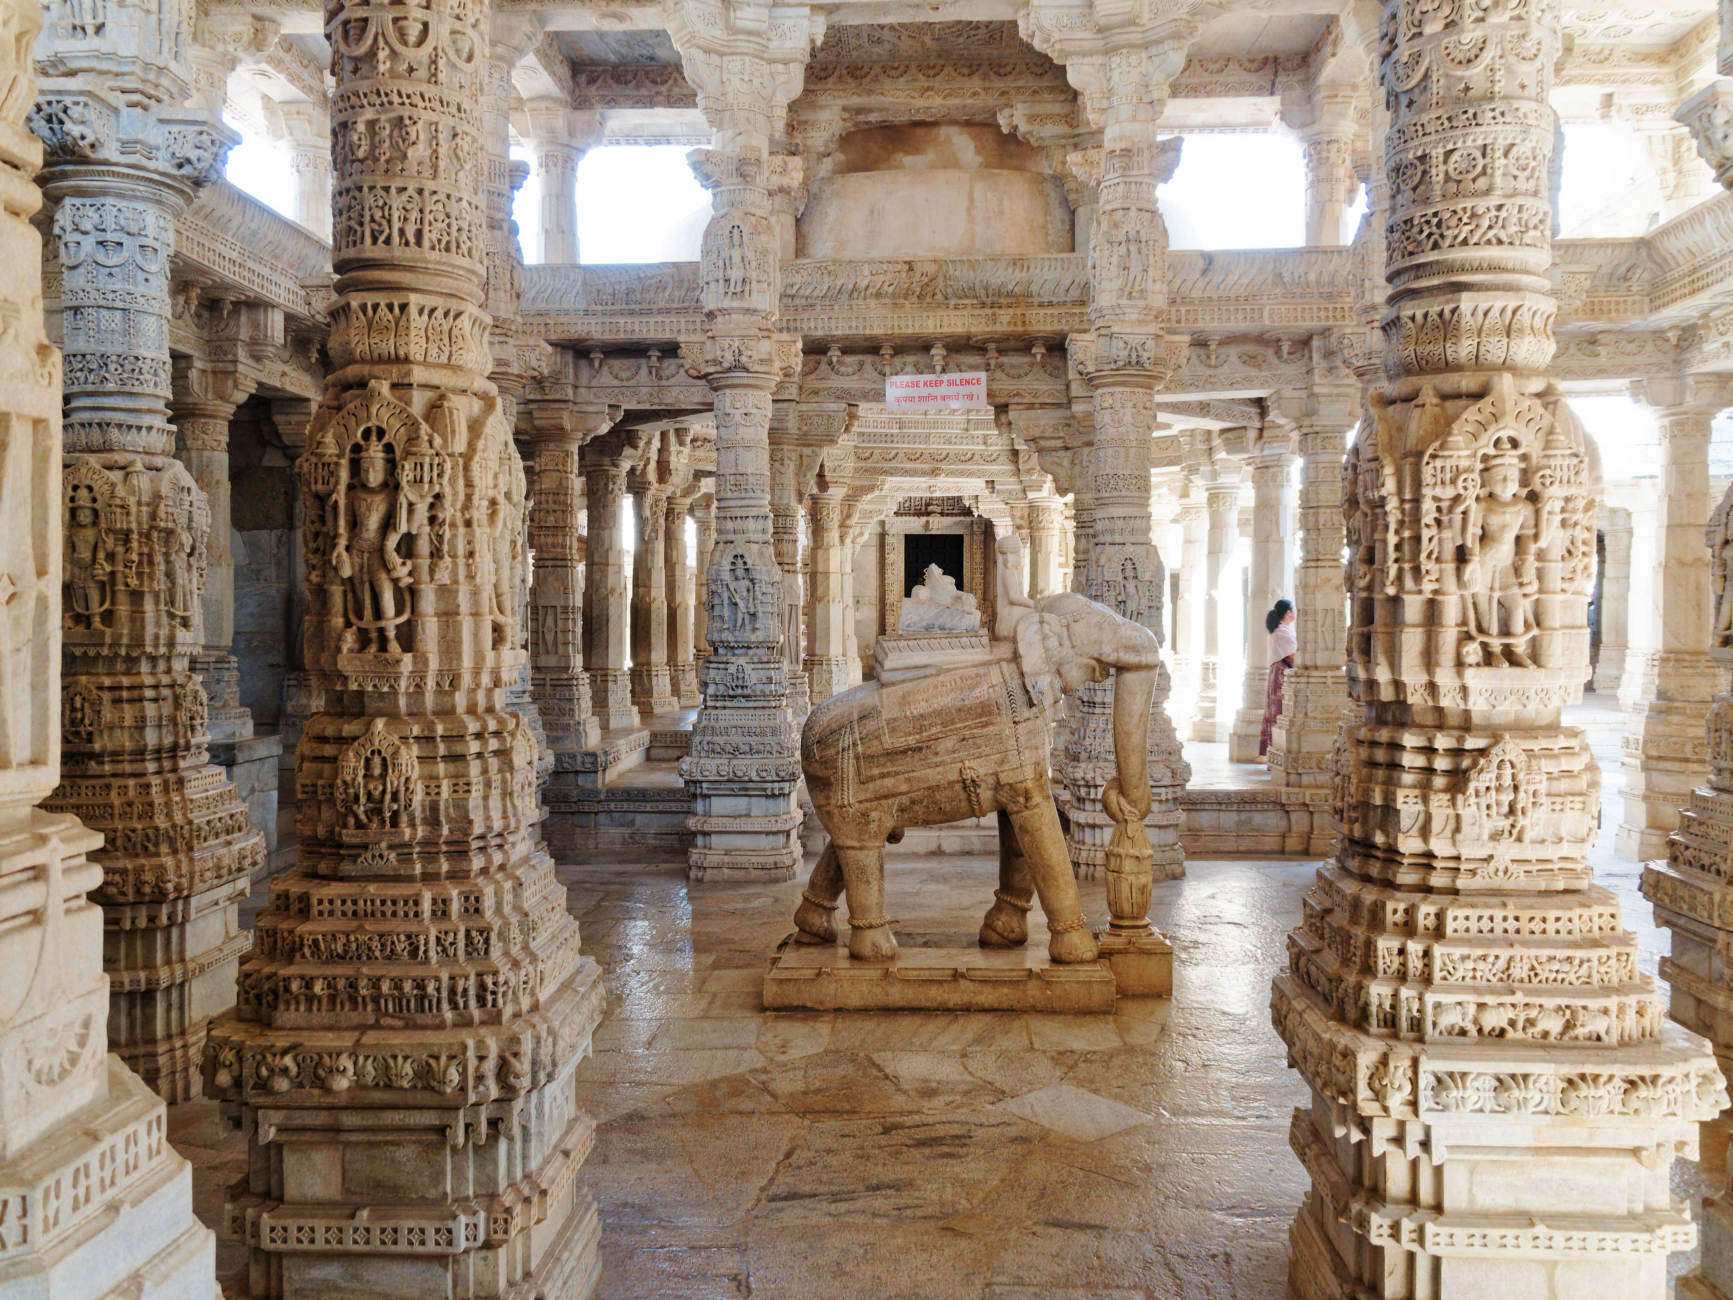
1278, 612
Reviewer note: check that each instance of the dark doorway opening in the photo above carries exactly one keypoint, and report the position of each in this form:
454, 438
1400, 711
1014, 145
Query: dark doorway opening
922, 549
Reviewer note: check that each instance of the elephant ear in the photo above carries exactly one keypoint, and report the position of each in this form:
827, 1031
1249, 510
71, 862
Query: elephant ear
1039, 637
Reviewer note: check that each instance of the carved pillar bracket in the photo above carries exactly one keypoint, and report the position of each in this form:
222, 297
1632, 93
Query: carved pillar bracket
121, 163
417, 977
97, 1201
744, 763
1461, 993
1663, 749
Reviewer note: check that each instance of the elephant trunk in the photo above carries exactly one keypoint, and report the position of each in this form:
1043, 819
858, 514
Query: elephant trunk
1133, 688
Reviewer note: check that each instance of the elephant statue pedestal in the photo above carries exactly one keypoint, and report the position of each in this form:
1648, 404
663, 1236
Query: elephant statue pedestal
957, 731
823, 977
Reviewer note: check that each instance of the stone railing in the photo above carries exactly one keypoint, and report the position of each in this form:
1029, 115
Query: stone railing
231, 239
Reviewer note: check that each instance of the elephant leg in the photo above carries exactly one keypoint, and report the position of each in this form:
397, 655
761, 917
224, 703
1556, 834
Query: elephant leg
863, 873
1043, 844
815, 918
1007, 921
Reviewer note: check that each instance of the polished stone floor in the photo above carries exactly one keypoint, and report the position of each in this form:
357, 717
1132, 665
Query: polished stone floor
744, 1153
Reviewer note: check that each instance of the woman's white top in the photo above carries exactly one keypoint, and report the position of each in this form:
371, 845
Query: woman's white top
1283, 642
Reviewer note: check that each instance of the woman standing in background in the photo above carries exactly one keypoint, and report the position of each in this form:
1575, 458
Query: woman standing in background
1279, 623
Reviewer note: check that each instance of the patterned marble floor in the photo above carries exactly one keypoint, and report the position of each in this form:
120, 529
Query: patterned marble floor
745, 1153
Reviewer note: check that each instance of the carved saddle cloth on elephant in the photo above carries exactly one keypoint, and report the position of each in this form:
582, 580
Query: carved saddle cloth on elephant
954, 743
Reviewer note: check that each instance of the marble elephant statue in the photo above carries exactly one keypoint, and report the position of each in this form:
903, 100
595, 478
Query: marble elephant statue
962, 741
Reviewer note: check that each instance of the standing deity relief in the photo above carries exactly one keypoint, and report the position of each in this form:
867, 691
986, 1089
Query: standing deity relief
130, 529
1719, 536
398, 503
1498, 533
378, 783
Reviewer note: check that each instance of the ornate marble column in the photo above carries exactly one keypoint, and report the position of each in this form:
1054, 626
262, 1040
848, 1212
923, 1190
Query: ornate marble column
744, 763
561, 136
607, 608
204, 401
1486, 1062
561, 687
682, 666
1690, 890
1046, 522
1188, 609
704, 515
1663, 749
415, 1007
178, 852
1330, 184
1221, 506
1122, 62
1315, 692
787, 492
1615, 600
1272, 462
652, 686
830, 610
97, 1202
309, 131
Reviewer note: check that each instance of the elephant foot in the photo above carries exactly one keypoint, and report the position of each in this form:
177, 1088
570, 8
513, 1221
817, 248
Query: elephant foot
1071, 942
814, 921
1007, 922
872, 942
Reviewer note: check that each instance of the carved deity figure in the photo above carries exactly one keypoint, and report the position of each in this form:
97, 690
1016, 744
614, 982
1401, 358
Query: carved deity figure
376, 779
734, 604
736, 278
1499, 527
180, 552
1720, 540
89, 563
936, 605
370, 528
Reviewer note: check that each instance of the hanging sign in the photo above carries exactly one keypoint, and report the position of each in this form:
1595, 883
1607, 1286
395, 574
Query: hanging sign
925, 392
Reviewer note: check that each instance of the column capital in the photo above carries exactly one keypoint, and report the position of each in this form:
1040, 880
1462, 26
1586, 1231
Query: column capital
1120, 58
1680, 395
747, 63
1708, 116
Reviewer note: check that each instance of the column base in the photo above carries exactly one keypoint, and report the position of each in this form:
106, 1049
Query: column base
136, 1236
1087, 765
686, 685
220, 675
653, 690
1610, 675
826, 677
611, 689
568, 718
1665, 759
1302, 749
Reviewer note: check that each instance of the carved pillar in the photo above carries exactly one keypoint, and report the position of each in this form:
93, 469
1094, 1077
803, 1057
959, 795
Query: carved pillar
1222, 505
1690, 891
1272, 525
309, 132
203, 405
1484, 1057
1122, 67
134, 764
560, 139
1315, 692
704, 514
414, 1010
1615, 601
607, 609
854, 673
652, 687
97, 1202
557, 619
1046, 522
785, 512
682, 668
1188, 611
744, 762
1663, 749
830, 611
1641, 626
1330, 186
